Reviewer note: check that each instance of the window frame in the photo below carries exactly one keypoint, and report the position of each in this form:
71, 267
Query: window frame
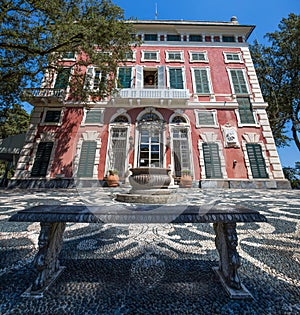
157, 52
180, 52
214, 115
227, 53
52, 123
131, 78
208, 76
183, 77
204, 52
86, 114
234, 92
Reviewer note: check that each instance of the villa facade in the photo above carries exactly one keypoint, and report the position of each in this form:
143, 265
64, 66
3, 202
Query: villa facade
189, 99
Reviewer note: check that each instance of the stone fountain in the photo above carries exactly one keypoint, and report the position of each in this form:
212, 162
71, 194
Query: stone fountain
150, 185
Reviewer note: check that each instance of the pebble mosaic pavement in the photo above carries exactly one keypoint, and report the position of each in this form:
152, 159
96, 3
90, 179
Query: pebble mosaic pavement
153, 269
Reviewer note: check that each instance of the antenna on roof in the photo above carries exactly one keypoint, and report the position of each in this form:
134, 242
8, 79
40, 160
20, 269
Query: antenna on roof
156, 11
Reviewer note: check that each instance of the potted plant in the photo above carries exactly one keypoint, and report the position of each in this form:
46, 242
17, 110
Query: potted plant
186, 179
113, 178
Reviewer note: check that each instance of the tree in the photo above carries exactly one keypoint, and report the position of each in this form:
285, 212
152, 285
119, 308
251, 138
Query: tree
34, 34
293, 175
278, 70
13, 120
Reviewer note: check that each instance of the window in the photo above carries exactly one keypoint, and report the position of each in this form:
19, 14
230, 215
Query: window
195, 38
95, 79
238, 81
42, 158
117, 152
206, 118
130, 55
121, 119
198, 56
173, 38
232, 57
52, 116
245, 111
181, 150
228, 39
174, 56
62, 79
68, 55
212, 160
201, 81
125, 77
87, 159
150, 37
176, 78
150, 56
178, 120
256, 160
94, 116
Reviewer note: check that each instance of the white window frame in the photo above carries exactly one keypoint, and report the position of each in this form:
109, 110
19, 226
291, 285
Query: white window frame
245, 78
226, 53
183, 76
240, 124
213, 111
208, 77
174, 52
53, 109
191, 52
133, 56
85, 111
157, 59
90, 85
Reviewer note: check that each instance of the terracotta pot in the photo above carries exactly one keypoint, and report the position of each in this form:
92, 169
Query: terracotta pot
186, 181
113, 180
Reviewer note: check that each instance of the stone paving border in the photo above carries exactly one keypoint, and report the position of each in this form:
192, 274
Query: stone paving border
154, 269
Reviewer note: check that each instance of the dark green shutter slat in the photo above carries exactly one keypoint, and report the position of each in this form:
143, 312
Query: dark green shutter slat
124, 78
206, 118
87, 159
62, 79
239, 83
93, 117
257, 161
176, 79
202, 84
42, 158
245, 110
212, 160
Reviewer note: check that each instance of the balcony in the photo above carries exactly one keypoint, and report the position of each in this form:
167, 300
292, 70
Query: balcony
45, 95
159, 97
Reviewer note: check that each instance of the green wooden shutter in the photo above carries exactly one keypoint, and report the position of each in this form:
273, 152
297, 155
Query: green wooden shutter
87, 159
206, 118
212, 160
124, 78
176, 79
245, 110
42, 158
257, 161
93, 117
62, 79
201, 81
239, 82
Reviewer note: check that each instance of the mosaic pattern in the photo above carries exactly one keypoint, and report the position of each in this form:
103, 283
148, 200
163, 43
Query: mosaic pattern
154, 269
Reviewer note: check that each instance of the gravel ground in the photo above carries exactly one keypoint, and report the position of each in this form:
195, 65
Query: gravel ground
153, 269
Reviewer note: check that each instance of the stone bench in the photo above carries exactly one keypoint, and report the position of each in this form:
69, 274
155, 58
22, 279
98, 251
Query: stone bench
53, 219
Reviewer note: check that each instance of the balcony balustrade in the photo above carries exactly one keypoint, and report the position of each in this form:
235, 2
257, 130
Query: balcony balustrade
38, 95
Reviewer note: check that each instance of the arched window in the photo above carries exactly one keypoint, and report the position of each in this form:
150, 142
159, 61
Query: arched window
178, 119
120, 119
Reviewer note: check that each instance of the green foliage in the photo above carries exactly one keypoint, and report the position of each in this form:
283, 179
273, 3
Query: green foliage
35, 34
293, 175
13, 120
278, 70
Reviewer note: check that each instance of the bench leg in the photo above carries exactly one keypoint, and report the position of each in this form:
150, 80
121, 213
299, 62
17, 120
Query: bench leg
226, 243
46, 261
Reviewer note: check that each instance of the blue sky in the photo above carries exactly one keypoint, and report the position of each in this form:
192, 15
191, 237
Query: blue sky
264, 14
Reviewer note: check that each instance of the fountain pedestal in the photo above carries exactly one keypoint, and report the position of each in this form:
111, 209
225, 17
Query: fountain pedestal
149, 185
